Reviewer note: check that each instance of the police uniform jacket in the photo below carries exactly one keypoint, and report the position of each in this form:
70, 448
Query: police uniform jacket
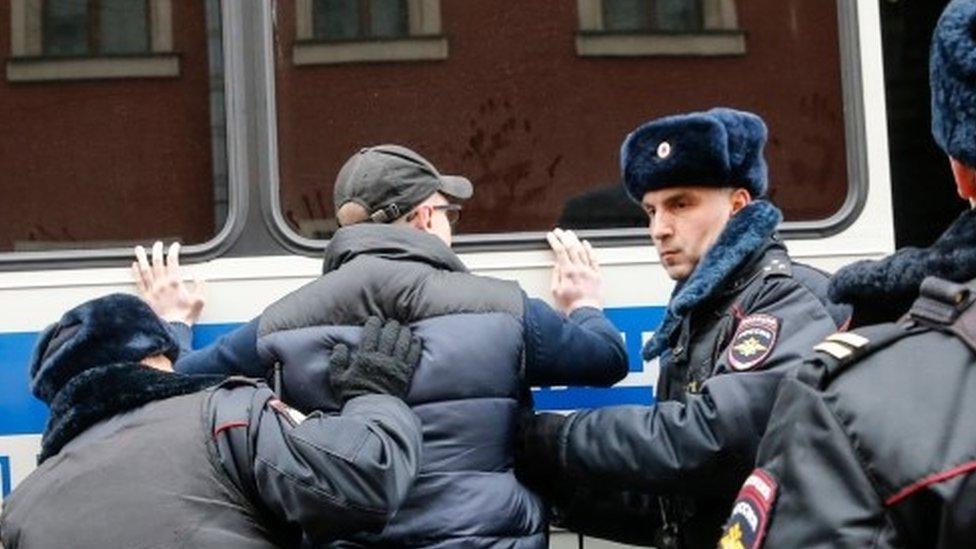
873, 442
167, 462
667, 474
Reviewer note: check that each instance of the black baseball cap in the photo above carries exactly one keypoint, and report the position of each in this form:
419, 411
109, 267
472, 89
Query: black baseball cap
389, 180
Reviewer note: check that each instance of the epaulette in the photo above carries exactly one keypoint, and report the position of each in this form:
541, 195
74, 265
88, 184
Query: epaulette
842, 349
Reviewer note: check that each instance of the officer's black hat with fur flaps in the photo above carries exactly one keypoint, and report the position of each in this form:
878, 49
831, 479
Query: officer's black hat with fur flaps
716, 148
117, 328
952, 74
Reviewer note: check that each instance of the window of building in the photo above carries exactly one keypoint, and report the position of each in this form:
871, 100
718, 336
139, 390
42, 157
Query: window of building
95, 27
360, 19
101, 164
538, 130
352, 31
624, 28
652, 15
91, 39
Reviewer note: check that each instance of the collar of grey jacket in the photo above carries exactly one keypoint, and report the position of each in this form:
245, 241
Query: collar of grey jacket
400, 243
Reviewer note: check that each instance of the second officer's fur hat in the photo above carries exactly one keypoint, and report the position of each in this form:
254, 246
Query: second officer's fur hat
716, 148
952, 71
112, 329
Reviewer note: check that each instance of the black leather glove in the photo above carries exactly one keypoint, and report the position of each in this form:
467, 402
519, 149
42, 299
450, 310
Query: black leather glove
537, 451
383, 364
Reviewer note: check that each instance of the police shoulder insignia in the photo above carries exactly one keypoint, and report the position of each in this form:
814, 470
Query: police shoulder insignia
746, 526
753, 341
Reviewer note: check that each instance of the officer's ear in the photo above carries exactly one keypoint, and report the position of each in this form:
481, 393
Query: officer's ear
965, 179
739, 198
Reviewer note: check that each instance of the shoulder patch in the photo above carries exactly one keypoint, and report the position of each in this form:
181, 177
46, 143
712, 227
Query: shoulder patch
292, 415
746, 526
753, 341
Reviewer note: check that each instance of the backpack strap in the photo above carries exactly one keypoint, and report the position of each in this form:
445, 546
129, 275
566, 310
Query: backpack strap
947, 307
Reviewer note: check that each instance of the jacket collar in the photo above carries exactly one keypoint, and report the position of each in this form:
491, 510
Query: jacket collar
105, 391
389, 242
883, 290
727, 266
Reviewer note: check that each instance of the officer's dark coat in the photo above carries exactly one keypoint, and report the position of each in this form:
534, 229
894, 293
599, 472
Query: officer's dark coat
873, 443
140, 458
698, 443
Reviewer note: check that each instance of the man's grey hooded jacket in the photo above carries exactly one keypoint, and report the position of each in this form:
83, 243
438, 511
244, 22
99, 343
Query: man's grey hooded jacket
484, 342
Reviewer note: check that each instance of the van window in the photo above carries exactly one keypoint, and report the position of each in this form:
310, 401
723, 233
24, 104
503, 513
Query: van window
531, 100
112, 135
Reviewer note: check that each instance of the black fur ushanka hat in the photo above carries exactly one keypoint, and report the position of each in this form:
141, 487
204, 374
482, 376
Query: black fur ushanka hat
109, 330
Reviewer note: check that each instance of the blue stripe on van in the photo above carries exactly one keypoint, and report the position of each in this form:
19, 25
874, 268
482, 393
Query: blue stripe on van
21, 413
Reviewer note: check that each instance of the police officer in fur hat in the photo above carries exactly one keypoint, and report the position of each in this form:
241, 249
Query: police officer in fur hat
134, 455
873, 443
741, 316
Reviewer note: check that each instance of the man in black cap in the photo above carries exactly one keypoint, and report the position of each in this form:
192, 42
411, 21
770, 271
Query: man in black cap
740, 318
485, 343
873, 443
134, 455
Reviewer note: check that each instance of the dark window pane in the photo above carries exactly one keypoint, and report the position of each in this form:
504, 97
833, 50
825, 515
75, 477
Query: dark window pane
538, 129
388, 18
677, 15
65, 27
109, 163
336, 19
123, 26
626, 15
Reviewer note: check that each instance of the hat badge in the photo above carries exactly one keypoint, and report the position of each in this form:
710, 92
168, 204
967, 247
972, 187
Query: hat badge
664, 149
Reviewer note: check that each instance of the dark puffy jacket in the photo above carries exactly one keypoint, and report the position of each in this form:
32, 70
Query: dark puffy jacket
225, 467
667, 474
484, 344
873, 443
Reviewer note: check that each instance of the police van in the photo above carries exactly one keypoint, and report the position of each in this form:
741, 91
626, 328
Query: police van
221, 125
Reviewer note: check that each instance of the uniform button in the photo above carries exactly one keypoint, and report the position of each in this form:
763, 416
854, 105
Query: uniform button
678, 350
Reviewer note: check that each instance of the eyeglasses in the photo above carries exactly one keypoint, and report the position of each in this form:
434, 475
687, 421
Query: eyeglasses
451, 211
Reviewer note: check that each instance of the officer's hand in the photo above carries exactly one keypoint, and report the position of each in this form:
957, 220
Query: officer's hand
161, 285
576, 279
537, 451
383, 364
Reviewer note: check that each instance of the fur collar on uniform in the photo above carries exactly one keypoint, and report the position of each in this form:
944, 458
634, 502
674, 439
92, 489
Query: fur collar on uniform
396, 242
883, 290
744, 234
105, 391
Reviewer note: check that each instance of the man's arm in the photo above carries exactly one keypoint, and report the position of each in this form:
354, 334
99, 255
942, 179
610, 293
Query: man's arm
581, 349
327, 475
697, 447
578, 345
161, 285
234, 353
330, 476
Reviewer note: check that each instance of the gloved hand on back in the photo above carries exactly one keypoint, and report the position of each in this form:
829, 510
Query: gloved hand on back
384, 363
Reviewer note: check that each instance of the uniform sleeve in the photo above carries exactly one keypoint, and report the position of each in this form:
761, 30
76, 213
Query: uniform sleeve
582, 349
234, 353
709, 441
330, 476
823, 496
